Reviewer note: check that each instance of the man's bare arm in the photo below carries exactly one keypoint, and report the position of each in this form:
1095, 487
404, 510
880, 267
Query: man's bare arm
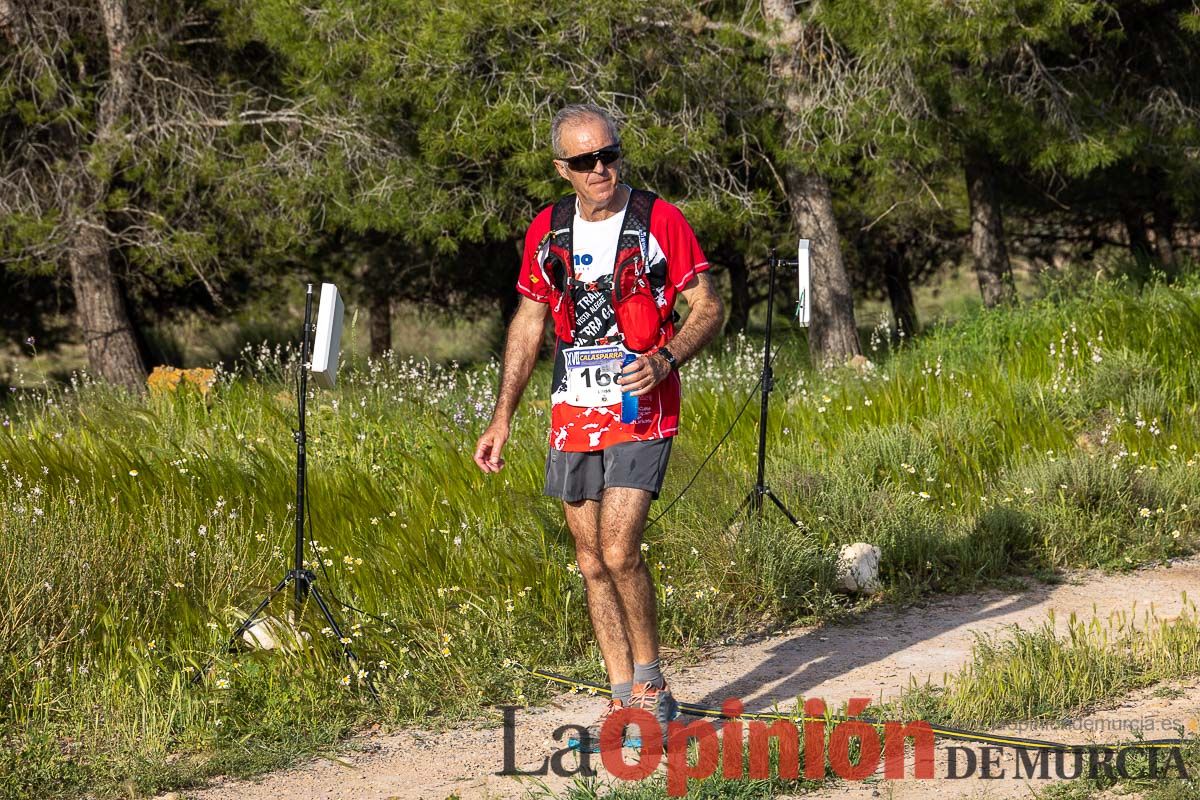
705, 318
520, 355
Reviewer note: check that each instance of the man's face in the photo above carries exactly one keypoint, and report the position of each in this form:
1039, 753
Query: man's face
598, 186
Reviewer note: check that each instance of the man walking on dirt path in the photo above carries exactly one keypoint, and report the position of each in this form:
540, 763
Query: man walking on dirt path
606, 263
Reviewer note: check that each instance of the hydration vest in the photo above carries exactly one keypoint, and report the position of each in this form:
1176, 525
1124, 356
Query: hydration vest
640, 322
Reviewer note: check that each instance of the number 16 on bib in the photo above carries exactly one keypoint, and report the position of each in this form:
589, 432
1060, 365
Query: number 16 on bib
592, 375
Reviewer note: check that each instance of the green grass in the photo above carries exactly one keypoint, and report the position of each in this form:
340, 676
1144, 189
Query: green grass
1046, 673
967, 455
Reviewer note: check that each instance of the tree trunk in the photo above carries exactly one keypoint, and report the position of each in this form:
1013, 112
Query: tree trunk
899, 291
378, 283
380, 312
107, 332
739, 290
1164, 233
111, 345
832, 333
1135, 228
1164, 244
992, 266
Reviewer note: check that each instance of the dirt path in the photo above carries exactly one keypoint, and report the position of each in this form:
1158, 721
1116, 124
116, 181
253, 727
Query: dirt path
876, 657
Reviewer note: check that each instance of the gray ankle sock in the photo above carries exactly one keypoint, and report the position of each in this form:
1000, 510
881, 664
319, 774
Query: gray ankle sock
649, 674
623, 692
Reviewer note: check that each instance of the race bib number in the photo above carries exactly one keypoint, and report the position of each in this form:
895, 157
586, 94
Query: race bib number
592, 375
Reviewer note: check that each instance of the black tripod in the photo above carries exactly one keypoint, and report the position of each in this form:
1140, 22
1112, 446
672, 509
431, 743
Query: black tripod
754, 498
303, 578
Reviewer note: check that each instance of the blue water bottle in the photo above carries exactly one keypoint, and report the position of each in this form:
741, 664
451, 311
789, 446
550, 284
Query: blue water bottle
629, 403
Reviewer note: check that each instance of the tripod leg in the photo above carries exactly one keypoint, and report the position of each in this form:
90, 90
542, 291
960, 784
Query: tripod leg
741, 507
333, 624
779, 503
246, 623
337, 631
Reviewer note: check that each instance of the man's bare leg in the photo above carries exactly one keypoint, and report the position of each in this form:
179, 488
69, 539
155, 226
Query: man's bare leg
622, 522
604, 606
622, 519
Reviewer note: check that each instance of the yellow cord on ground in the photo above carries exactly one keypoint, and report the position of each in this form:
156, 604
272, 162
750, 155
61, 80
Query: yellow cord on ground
939, 730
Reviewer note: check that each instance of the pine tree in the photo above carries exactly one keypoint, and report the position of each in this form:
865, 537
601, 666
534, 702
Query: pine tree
138, 153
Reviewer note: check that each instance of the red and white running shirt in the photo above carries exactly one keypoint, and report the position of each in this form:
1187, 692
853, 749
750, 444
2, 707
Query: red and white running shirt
675, 257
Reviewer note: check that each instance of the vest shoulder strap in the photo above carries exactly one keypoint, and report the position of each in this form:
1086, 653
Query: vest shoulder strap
563, 215
638, 213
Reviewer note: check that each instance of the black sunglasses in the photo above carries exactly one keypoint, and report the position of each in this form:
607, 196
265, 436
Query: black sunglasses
586, 162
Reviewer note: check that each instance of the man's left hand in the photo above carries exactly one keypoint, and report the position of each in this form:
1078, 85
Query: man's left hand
644, 374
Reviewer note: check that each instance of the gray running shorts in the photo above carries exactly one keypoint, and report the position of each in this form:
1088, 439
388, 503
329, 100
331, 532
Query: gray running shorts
584, 476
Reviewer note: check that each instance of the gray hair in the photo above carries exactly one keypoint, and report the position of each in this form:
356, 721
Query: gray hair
574, 115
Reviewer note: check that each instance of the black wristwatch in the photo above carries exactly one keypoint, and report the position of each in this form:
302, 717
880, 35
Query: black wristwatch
665, 353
